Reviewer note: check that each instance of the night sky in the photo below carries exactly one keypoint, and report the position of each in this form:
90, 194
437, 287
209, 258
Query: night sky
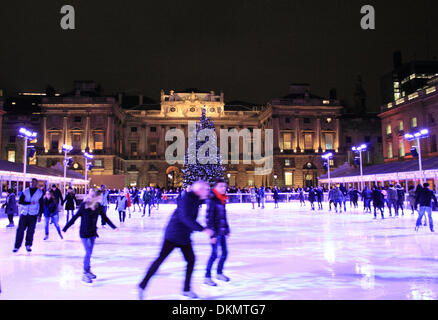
250, 49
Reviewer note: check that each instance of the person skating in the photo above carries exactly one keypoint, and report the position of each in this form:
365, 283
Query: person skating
301, 197
424, 200
136, 199
401, 197
177, 235
128, 201
262, 196
319, 197
51, 213
217, 221
147, 201
331, 198
11, 208
253, 197
354, 198
411, 198
312, 198
276, 197
378, 202
367, 196
70, 202
89, 211
104, 201
121, 205
31, 210
392, 200
344, 191
338, 199
158, 195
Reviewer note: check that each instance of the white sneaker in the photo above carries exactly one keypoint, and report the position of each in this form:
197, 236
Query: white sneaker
190, 294
221, 277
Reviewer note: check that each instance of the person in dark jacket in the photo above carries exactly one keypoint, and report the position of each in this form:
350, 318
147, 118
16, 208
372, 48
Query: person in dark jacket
354, 198
378, 202
89, 211
11, 208
320, 197
136, 198
344, 191
401, 197
276, 197
51, 213
424, 200
177, 235
57, 193
217, 221
121, 205
312, 198
70, 201
147, 200
367, 196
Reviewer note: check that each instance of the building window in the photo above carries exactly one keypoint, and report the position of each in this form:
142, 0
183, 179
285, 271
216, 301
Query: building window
98, 163
388, 130
251, 182
288, 120
390, 154
329, 145
287, 163
133, 129
153, 129
134, 151
434, 146
78, 119
329, 120
306, 120
348, 140
98, 141
287, 141
288, 179
367, 139
153, 149
308, 141
402, 149
76, 141
401, 126
414, 123
11, 155
55, 142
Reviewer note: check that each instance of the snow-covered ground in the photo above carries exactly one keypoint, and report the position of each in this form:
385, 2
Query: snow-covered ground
288, 253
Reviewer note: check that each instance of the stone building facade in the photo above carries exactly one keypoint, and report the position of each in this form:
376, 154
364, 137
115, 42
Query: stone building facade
127, 134
410, 114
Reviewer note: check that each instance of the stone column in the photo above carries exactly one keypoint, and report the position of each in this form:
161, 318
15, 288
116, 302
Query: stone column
65, 131
87, 132
142, 141
297, 134
338, 133
108, 134
45, 141
318, 134
276, 127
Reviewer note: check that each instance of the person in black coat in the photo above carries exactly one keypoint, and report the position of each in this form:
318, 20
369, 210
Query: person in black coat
217, 221
378, 202
51, 213
276, 197
11, 208
89, 211
70, 201
424, 199
177, 235
312, 198
319, 197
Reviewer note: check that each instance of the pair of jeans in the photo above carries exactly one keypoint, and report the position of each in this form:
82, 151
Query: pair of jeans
55, 221
338, 202
392, 203
11, 218
167, 248
122, 216
423, 211
105, 209
68, 212
88, 246
144, 208
27, 222
367, 204
221, 241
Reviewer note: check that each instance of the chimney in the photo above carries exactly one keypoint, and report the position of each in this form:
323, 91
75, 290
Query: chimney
397, 59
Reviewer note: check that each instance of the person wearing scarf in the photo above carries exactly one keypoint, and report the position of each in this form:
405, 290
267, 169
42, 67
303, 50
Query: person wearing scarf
217, 221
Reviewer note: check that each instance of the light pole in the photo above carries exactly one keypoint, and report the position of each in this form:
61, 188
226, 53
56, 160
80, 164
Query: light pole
328, 157
417, 137
359, 150
66, 148
26, 135
87, 157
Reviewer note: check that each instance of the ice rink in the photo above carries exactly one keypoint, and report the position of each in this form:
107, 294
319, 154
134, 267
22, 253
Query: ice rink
288, 253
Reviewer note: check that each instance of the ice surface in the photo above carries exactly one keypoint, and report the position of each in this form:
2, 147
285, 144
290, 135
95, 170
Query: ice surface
287, 253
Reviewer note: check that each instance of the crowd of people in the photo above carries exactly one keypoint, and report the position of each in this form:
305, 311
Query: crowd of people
36, 202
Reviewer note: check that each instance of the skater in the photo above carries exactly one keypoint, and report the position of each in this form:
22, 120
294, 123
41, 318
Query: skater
56, 192
320, 197
158, 195
262, 196
177, 235
136, 199
411, 198
301, 197
217, 221
104, 201
424, 200
401, 197
392, 200
331, 198
344, 191
31, 210
70, 201
89, 211
312, 198
253, 197
128, 201
147, 201
338, 199
51, 213
121, 205
367, 196
11, 208
276, 197
378, 202
354, 198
